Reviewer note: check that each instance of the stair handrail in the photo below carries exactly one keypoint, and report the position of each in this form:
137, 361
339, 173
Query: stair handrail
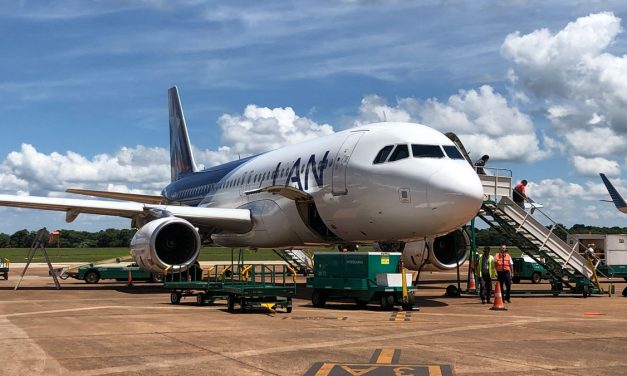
554, 224
496, 173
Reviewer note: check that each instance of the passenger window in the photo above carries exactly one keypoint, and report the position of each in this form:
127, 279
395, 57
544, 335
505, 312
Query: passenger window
401, 152
453, 152
383, 154
427, 151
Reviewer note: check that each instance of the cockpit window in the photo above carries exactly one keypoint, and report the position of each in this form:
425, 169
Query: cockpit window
427, 151
453, 152
383, 154
401, 152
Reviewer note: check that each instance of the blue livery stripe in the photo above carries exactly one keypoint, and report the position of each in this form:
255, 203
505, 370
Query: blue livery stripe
616, 197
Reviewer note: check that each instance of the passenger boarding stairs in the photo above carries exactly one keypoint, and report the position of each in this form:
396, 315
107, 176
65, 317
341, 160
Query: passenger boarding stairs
297, 259
566, 265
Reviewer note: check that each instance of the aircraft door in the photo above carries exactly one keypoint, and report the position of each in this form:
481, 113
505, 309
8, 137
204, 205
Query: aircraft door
340, 163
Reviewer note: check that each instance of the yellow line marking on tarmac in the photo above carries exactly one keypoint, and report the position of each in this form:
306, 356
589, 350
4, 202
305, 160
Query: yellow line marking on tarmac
325, 369
385, 357
435, 371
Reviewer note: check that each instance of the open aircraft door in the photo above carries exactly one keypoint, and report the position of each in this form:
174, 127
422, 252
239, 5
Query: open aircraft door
341, 162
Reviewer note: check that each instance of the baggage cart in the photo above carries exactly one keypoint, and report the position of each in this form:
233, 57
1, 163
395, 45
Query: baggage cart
250, 286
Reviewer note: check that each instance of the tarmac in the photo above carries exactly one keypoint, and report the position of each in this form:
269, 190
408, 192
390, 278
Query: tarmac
112, 329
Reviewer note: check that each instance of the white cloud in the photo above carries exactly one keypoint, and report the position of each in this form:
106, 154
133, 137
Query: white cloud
39, 173
593, 166
487, 124
554, 188
592, 212
261, 129
584, 87
374, 109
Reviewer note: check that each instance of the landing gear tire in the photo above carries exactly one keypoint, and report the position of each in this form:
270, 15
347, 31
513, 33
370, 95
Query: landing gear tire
536, 278
200, 299
242, 304
175, 297
92, 276
409, 304
625, 292
452, 291
387, 302
586, 291
318, 298
230, 303
288, 308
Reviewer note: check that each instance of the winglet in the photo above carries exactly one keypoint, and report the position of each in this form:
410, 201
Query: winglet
616, 197
181, 158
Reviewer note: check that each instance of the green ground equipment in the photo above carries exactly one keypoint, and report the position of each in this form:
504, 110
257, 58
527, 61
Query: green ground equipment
525, 268
250, 286
363, 277
93, 273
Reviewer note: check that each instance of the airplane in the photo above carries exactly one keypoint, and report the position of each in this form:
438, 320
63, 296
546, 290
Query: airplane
617, 199
403, 186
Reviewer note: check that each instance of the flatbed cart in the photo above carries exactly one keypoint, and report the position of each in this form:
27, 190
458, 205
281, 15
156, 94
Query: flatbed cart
249, 286
363, 277
4, 267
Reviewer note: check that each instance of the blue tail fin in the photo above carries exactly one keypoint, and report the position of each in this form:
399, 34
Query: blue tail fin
181, 158
616, 197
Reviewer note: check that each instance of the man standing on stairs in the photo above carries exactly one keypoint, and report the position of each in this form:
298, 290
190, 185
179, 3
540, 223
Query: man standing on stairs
504, 271
518, 194
486, 272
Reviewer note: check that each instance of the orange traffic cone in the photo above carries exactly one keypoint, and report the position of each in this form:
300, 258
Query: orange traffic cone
498, 299
472, 286
129, 282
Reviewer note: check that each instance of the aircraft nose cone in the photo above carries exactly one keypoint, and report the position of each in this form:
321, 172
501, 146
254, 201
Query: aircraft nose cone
455, 195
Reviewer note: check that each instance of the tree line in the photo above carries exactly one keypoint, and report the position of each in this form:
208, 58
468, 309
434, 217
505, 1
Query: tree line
72, 239
122, 238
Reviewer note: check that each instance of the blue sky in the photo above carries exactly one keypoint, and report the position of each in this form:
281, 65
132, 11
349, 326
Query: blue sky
540, 87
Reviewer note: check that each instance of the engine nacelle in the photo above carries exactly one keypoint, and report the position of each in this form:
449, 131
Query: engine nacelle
168, 242
441, 253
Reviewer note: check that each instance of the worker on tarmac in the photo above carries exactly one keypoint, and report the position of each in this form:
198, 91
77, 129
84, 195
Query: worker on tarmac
504, 271
486, 271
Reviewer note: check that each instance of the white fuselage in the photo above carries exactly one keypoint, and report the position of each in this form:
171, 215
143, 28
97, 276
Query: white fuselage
357, 200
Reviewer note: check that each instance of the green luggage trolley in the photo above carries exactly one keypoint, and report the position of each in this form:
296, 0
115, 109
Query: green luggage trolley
363, 277
250, 286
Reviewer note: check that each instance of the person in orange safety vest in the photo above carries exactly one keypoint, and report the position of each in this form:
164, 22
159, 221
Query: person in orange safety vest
504, 271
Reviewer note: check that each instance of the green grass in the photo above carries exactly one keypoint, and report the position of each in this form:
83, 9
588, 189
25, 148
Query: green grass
68, 255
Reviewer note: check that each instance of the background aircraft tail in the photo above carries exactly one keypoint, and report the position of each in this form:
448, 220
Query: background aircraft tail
181, 158
616, 197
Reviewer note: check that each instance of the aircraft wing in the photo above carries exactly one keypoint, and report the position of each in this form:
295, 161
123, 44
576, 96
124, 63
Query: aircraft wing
147, 199
617, 199
236, 220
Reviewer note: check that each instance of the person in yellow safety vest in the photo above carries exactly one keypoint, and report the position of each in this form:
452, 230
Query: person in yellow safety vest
486, 271
504, 271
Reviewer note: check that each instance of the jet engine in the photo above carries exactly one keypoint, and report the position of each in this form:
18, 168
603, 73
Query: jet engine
441, 253
168, 242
